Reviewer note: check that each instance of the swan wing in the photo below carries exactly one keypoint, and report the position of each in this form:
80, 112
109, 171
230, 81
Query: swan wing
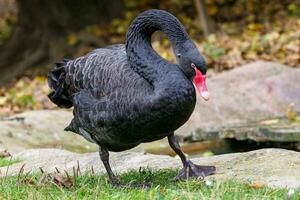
90, 114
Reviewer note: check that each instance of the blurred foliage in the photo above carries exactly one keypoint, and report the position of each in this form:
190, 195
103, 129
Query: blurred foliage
245, 31
25, 94
231, 16
222, 51
8, 18
280, 44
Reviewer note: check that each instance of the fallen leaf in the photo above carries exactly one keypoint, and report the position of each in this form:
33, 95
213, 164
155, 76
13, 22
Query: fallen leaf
256, 185
3, 100
72, 39
4, 154
290, 113
62, 181
27, 181
271, 121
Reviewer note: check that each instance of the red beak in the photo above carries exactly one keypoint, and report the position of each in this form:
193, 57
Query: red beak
200, 83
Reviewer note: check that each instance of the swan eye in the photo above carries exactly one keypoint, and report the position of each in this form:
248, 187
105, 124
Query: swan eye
193, 65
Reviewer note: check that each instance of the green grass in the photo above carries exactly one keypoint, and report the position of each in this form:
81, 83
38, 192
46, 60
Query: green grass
7, 161
97, 187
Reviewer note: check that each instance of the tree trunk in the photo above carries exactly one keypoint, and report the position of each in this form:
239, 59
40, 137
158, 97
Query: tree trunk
40, 36
204, 20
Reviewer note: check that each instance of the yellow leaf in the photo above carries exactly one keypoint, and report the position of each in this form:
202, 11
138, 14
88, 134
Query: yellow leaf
212, 10
96, 30
72, 39
269, 122
290, 113
257, 185
255, 26
3, 100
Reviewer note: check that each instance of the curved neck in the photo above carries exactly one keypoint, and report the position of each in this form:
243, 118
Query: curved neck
141, 56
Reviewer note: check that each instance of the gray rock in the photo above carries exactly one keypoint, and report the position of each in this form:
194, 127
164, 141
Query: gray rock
276, 130
251, 93
41, 129
276, 168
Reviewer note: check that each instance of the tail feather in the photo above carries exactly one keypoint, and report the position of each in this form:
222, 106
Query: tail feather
72, 127
56, 78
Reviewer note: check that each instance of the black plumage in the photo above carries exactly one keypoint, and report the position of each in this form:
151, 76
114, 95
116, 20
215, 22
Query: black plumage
124, 95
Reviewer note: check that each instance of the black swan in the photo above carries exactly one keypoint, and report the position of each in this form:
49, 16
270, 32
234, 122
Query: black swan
124, 95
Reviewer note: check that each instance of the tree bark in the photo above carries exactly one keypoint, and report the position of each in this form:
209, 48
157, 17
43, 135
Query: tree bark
40, 36
204, 20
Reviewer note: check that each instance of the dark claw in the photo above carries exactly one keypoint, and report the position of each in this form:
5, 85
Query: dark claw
195, 171
115, 182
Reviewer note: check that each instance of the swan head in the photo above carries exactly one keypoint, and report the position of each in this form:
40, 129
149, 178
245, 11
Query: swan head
192, 63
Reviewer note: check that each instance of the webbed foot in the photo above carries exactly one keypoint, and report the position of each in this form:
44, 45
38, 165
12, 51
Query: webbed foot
195, 171
190, 170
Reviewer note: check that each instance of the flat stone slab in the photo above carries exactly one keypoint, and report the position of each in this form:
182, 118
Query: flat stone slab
250, 93
273, 130
41, 129
277, 168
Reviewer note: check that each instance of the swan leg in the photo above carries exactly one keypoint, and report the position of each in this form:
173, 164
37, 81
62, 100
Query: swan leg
114, 180
189, 168
104, 155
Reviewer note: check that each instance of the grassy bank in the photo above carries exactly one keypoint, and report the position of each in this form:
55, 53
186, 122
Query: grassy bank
163, 187
7, 161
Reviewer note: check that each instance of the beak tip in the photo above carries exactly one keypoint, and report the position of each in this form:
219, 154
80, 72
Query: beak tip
205, 95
